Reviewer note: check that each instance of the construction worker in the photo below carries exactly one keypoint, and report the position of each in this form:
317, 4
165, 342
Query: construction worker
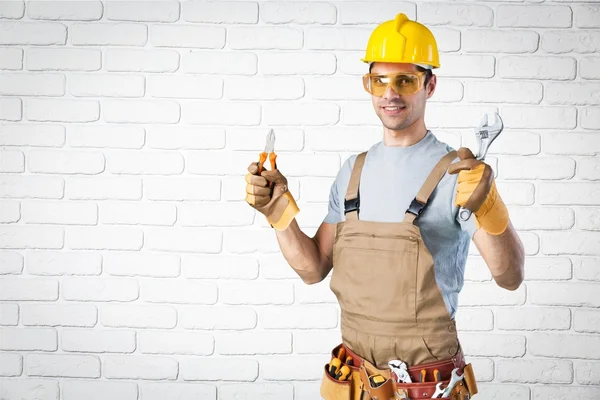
392, 237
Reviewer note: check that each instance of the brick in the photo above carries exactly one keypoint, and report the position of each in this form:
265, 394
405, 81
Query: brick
141, 111
533, 318
456, 116
216, 214
218, 318
299, 317
220, 267
448, 91
184, 240
108, 34
11, 365
65, 10
105, 238
176, 138
26, 237
547, 268
140, 367
498, 41
222, 63
493, 345
104, 85
327, 88
483, 369
9, 314
589, 67
188, 36
31, 187
587, 373
217, 369
588, 169
213, 12
490, 294
128, 213
533, 16
315, 342
12, 9
143, 11
564, 345
189, 343
187, 87
11, 109
586, 321
44, 389
473, 319
39, 135
537, 67
579, 295
145, 163
586, 15
12, 161
531, 243
11, 58
252, 343
297, 63
67, 59
571, 143
459, 15
588, 269
338, 39
112, 137
301, 114
349, 63
39, 84
551, 168
588, 218
99, 390
264, 88
98, 341
10, 262
78, 315
63, 263
138, 316
256, 293
29, 339
535, 371
265, 38
59, 365
467, 66
182, 391
184, 292
539, 117
275, 368
580, 243
222, 113
100, 289
574, 193
576, 41
259, 391
504, 92
104, 188
241, 241
179, 189
32, 33
573, 93
298, 13
141, 60
65, 162
565, 392
156, 265
62, 110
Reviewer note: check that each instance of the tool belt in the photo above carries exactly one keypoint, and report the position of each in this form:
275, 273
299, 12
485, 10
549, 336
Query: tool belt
366, 382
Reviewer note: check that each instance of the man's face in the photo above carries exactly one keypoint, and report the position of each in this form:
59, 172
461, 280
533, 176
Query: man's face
412, 107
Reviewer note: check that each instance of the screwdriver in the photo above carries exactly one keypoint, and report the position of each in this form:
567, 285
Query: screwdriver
334, 367
423, 373
343, 374
436, 375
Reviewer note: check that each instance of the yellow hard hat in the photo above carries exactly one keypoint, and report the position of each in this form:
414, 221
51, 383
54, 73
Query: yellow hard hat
403, 41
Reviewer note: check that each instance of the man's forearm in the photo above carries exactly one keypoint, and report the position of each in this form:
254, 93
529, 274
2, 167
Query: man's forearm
302, 253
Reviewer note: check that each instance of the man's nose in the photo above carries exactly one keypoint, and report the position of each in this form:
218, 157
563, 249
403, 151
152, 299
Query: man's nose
390, 93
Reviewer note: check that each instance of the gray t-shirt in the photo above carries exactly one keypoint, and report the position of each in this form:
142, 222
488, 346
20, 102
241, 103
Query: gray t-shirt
390, 180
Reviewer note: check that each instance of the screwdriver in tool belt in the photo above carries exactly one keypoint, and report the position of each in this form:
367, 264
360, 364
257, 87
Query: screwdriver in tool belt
334, 367
436, 375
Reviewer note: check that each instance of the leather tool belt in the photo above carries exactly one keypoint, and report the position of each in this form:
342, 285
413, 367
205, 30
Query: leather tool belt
360, 385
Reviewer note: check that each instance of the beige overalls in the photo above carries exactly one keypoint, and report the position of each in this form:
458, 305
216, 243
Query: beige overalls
383, 277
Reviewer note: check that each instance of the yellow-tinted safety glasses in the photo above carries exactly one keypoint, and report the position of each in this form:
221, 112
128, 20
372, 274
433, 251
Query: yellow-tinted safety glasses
403, 83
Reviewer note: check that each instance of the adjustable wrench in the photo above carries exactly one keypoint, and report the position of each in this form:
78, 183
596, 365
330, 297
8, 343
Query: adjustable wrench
485, 136
445, 393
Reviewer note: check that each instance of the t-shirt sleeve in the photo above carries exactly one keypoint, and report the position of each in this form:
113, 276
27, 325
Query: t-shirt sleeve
333, 209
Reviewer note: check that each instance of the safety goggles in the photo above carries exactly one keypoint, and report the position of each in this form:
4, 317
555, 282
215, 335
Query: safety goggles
403, 83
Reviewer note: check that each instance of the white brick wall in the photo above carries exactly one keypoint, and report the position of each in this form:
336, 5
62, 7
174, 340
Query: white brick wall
130, 266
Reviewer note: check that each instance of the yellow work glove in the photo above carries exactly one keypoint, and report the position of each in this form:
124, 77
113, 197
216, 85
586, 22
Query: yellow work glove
477, 192
276, 203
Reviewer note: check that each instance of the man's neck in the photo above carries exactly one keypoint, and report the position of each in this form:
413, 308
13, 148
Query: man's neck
405, 137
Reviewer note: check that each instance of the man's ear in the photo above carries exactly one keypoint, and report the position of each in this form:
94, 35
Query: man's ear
431, 86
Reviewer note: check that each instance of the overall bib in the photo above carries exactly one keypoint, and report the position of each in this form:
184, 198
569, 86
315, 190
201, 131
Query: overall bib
383, 277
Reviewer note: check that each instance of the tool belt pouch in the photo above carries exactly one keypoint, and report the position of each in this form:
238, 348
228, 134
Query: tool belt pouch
385, 391
334, 389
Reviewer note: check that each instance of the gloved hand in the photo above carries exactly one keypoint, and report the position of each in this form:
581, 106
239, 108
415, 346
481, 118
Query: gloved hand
279, 205
476, 191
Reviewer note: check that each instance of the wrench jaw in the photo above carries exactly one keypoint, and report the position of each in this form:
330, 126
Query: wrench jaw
487, 134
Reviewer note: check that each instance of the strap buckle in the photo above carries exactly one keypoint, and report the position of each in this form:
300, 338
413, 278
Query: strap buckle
416, 207
351, 205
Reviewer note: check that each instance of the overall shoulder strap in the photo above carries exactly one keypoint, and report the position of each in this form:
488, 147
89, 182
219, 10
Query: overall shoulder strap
352, 200
420, 202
